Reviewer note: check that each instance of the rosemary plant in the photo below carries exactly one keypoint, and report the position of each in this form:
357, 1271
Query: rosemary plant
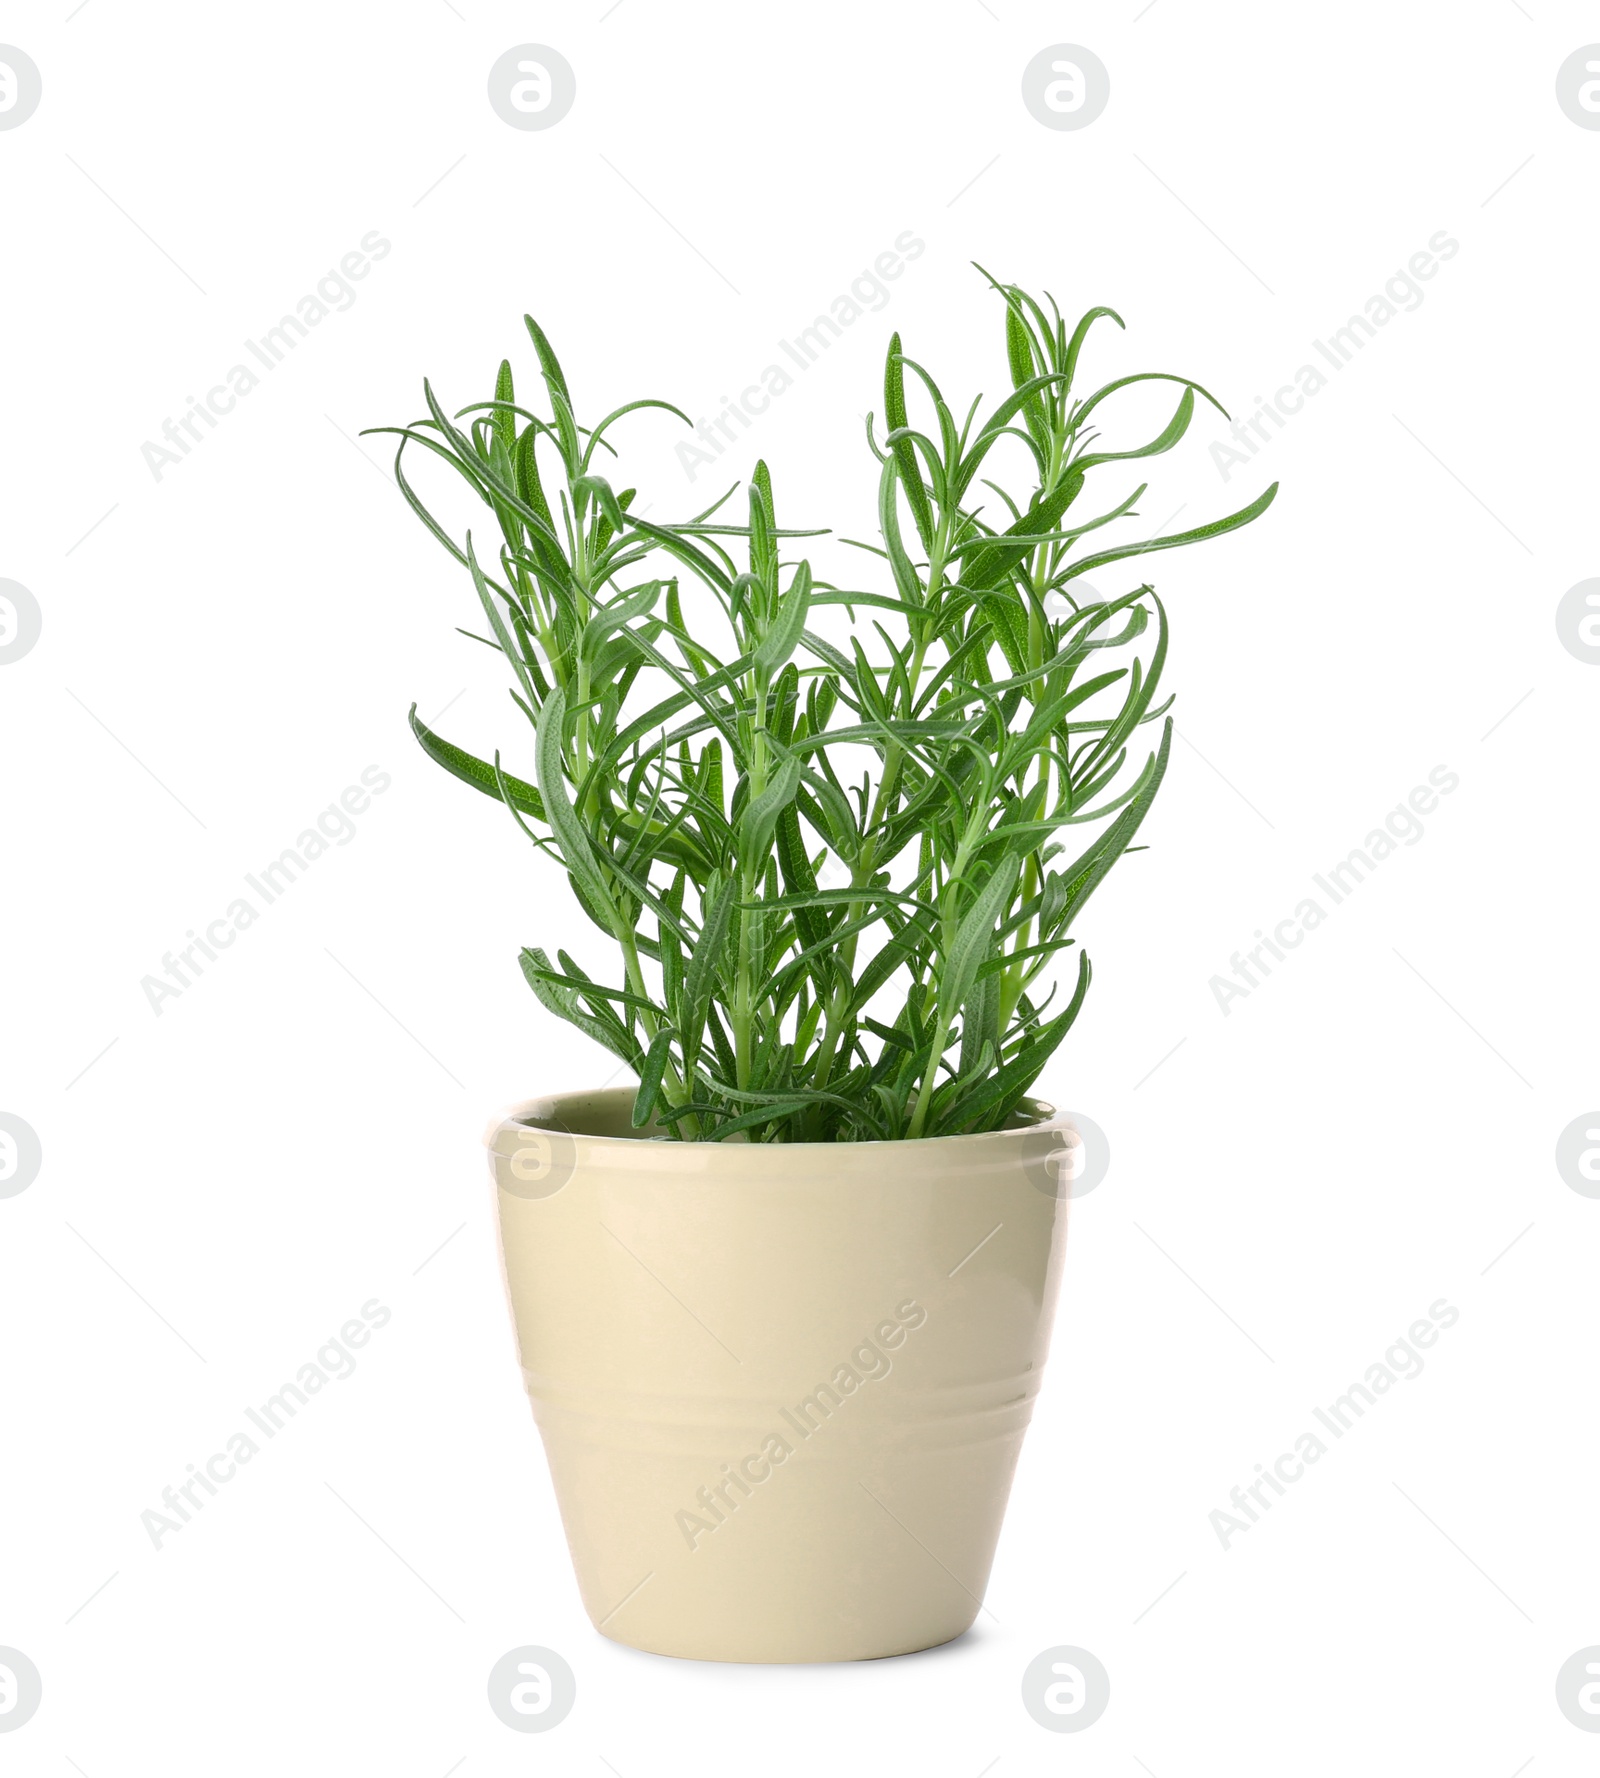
836, 856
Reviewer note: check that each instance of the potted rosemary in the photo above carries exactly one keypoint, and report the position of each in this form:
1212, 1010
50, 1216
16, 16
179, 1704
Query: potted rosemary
783, 1300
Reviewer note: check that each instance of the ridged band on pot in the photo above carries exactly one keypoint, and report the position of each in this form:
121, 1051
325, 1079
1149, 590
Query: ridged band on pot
781, 1386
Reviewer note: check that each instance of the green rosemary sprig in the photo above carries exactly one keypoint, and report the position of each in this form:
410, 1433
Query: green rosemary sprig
837, 858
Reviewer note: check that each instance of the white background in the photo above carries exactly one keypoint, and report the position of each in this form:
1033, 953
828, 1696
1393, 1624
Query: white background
224, 650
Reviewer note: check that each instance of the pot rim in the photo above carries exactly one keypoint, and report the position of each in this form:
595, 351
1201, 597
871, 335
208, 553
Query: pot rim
542, 1113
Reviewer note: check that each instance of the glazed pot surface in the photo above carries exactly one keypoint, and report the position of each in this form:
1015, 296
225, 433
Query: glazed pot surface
781, 1387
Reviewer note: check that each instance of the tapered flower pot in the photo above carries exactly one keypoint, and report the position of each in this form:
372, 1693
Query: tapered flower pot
782, 1387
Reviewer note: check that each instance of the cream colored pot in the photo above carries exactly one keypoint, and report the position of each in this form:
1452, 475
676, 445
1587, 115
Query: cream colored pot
782, 1387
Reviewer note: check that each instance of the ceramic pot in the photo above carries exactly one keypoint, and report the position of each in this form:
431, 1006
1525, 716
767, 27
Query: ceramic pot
781, 1387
